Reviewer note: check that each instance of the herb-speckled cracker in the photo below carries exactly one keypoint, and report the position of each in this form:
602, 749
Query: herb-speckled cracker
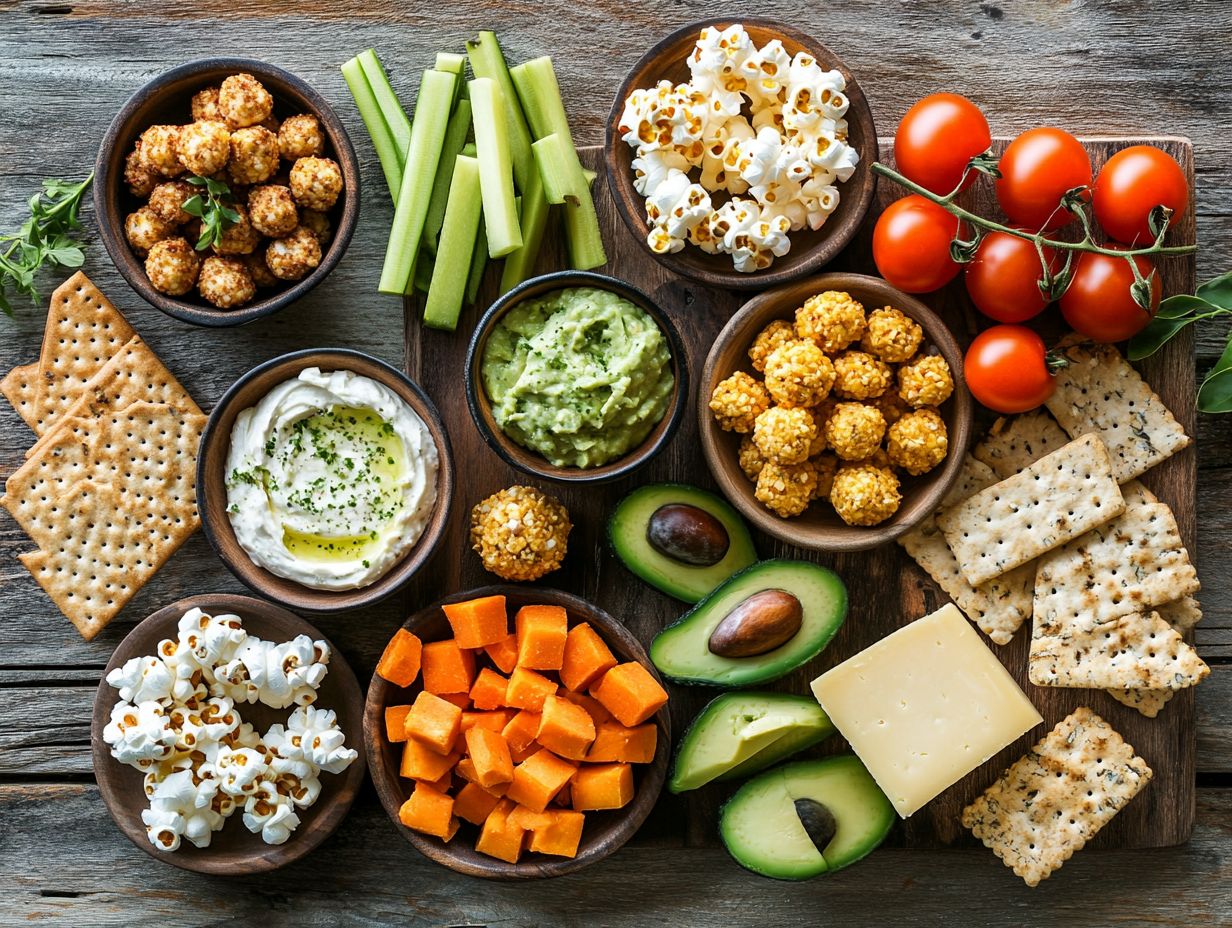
1182, 615
1052, 801
1016, 442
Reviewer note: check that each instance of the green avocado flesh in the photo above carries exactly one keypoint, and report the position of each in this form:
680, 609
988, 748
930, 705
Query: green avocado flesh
738, 734
764, 833
627, 534
682, 650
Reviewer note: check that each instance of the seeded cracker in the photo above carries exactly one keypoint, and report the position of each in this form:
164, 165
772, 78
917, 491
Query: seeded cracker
1052, 801
1182, 615
19, 387
1019, 441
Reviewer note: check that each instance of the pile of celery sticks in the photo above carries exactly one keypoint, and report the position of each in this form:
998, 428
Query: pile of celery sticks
473, 175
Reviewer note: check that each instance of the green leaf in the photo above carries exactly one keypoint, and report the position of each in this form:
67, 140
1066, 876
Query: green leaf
68, 256
197, 181
1215, 394
1218, 291
1174, 307
194, 207
230, 215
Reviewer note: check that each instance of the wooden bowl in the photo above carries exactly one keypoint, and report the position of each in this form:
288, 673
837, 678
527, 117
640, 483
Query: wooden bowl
166, 99
605, 832
819, 528
810, 250
529, 461
212, 489
233, 851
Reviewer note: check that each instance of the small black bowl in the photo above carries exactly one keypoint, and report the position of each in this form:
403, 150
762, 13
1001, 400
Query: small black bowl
528, 461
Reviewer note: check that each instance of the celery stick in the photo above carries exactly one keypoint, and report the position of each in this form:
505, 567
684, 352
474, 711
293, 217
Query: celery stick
534, 219
391, 109
391, 158
495, 167
469, 150
455, 139
559, 169
487, 60
453, 257
453, 63
479, 263
423, 271
423, 156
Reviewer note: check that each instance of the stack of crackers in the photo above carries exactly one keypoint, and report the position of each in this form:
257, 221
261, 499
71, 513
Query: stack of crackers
107, 491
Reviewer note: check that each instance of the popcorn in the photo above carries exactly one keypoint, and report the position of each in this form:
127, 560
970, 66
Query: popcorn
312, 737
652, 168
139, 735
212, 639
270, 814
239, 770
275, 675
142, 679
178, 808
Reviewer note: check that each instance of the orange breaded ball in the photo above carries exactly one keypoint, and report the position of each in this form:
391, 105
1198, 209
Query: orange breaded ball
918, 441
860, 376
926, 380
139, 176
259, 271
737, 401
225, 282
240, 238
786, 489
205, 105
750, 457
799, 374
254, 155
775, 335
520, 533
301, 137
144, 229
864, 494
272, 210
785, 435
244, 101
891, 335
855, 430
172, 266
294, 256
167, 201
832, 319
159, 147
316, 182
205, 146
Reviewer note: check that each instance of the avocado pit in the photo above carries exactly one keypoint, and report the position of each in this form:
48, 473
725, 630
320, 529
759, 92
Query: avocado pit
818, 821
762, 622
688, 534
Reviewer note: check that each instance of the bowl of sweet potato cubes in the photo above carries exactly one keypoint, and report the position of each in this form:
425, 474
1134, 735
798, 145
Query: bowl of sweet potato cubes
516, 733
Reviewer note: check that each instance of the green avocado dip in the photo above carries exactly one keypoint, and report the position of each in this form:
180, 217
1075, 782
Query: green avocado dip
579, 375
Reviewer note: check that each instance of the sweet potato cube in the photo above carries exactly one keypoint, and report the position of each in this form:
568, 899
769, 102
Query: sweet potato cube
564, 728
504, 654
399, 663
495, 720
478, 623
499, 838
541, 632
528, 690
614, 742
395, 722
602, 786
430, 811
444, 784
489, 690
593, 707
489, 752
466, 770
529, 819
420, 762
474, 803
461, 700
630, 693
434, 722
564, 798
560, 836
586, 658
521, 730
447, 668
538, 778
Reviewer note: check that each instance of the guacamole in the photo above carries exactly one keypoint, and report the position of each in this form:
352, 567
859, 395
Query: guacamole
579, 375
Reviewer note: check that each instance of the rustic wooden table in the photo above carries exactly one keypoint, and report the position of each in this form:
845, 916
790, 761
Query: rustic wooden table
68, 65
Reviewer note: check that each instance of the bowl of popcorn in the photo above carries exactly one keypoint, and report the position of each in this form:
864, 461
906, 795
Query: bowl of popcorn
740, 153
225, 189
833, 413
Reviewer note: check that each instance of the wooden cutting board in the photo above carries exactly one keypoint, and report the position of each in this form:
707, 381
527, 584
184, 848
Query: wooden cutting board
886, 588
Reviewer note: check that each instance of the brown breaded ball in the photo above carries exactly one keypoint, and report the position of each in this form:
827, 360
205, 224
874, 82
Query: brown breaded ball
272, 210
259, 271
750, 457
860, 376
159, 146
318, 224
891, 335
144, 229
294, 256
316, 182
520, 533
301, 137
167, 201
254, 155
205, 146
926, 380
826, 465
225, 282
205, 105
865, 495
138, 175
775, 335
799, 374
244, 101
855, 430
272, 123
892, 406
737, 401
172, 266
785, 435
918, 441
240, 238
786, 489
832, 319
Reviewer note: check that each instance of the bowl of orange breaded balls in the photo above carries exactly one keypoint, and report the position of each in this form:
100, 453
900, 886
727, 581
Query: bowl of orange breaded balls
832, 412
225, 189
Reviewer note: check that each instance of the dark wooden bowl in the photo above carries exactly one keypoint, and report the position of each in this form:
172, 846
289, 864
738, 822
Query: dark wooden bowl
212, 490
532, 463
810, 250
819, 528
605, 832
166, 99
233, 851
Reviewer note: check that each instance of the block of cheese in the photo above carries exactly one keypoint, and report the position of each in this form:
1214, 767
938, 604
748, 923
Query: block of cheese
925, 706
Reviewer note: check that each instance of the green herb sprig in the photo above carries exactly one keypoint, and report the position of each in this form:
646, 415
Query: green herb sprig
48, 237
215, 215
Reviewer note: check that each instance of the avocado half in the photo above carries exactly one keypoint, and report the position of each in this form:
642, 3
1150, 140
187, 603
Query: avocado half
741, 733
626, 531
682, 650
806, 818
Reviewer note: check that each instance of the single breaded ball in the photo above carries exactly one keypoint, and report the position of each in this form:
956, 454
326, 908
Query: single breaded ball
254, 155
918, 441
775, 335
205, 105
318, 224
786, 489
925, 381
785, 435
520, 533
159, 147
167, 201
294, 256
139, 176
750, 458
144, 229
225, 282
244, 101
240, 238
272, 123
205, 146
860, 376
855, 430
259, 271
826, 466
272, 210
892, 406
172, 266
832, 319
863, 494
316, 182
301, 137
737, 401
799, 374
891, 335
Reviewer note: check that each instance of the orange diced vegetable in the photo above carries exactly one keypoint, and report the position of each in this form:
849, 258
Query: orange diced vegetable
563, 798
528, 690
477, 623
466, 770
444, 784
500, 838
541, 632
395, 719
504, 654
538, 778
565, 729
614, 742
593, 707
399, 663
474, 803
489, 752
420, 762
430, 811
561, 836
630, 693
447, 668
495, 720
461, 700
521, 730
434, 722
489, 690
602, 786
586, 658
529, 819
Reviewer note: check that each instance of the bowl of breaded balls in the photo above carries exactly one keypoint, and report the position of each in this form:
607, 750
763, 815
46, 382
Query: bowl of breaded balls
225, 189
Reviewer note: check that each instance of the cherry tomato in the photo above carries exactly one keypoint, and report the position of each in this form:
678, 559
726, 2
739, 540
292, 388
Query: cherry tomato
911, 245
1098, 302
1133, 183
1036, 169
1006, 369
1003, 277
937, 138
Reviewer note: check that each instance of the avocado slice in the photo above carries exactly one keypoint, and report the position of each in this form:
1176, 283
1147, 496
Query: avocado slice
683, 650
627, 532
806, 818
740, 733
